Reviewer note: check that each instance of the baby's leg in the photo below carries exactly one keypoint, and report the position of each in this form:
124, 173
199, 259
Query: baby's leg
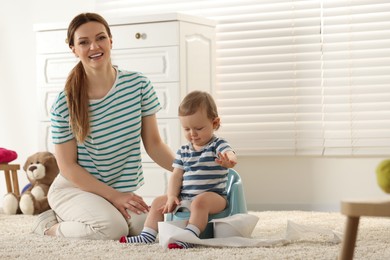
202, 205
149, 233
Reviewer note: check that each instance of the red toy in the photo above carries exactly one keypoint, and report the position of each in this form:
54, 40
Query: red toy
7, 156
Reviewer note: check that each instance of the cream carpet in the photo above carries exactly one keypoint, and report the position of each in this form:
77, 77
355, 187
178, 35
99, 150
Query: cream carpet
373, 241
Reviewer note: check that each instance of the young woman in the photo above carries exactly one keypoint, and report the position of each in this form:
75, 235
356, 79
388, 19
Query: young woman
200, 171
98, 122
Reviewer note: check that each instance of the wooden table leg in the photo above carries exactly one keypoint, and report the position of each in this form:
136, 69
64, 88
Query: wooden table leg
349, 241
11, 177
15, 182
8, 180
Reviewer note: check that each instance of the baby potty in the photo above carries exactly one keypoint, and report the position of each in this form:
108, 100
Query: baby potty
236, 205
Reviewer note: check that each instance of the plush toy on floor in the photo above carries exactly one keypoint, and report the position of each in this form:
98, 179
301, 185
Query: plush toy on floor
41, 169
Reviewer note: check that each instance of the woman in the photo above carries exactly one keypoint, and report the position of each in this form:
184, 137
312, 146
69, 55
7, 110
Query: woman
98, 122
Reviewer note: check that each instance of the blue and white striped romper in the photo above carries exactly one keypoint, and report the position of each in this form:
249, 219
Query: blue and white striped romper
201, 172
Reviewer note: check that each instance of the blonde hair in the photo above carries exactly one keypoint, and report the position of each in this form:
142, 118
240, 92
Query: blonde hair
196, 100
76, 86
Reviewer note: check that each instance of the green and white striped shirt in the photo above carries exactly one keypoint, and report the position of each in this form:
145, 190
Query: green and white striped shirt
112, 151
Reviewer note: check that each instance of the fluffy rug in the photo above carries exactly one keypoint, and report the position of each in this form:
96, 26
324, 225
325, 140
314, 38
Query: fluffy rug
16, 241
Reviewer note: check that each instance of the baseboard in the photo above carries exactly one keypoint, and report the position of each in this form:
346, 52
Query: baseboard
290, 207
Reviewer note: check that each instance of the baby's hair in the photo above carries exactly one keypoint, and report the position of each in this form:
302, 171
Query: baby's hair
196, 100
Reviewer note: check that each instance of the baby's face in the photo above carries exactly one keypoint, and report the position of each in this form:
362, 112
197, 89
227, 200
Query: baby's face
198, 128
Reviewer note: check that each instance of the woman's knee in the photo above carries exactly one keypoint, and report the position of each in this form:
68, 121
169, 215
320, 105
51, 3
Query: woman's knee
136, 223
113, 231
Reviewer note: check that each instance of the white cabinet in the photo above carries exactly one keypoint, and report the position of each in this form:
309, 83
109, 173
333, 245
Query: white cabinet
175, 51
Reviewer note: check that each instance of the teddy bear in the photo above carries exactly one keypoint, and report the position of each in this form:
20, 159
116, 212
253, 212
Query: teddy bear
41, 169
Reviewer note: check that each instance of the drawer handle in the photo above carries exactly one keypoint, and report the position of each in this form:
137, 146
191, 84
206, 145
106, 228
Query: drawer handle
140, 36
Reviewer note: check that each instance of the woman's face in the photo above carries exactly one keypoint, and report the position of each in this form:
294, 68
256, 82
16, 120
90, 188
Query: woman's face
92, 45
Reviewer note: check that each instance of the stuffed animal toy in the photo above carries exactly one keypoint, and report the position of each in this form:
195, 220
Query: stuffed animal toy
41, 169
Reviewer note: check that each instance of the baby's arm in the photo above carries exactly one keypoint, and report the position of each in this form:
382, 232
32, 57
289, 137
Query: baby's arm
227, 160
174, 186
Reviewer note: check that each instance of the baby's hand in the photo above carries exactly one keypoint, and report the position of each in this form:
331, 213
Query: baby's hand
171, 204
225, 161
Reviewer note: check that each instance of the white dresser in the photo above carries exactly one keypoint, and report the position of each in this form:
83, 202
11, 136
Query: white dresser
175, 51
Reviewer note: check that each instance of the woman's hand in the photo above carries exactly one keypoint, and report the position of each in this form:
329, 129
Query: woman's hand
130, 201
227, 160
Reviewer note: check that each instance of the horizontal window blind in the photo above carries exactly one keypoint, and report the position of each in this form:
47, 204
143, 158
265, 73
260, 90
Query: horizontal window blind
356, 78
296, 77
269, 81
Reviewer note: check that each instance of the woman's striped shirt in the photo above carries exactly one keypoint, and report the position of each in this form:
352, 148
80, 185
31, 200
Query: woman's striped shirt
111, 152
201, 172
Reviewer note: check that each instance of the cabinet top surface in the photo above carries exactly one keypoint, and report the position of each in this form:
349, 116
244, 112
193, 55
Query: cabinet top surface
138, 19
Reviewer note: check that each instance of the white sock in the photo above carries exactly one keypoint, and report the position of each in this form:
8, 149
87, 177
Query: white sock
184, 245
147, 236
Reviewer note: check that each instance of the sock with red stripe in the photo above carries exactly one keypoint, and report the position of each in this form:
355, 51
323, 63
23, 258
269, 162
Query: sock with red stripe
147, 236
184, 245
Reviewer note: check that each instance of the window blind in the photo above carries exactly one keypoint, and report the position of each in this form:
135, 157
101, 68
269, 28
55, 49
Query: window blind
296, 77
356, 79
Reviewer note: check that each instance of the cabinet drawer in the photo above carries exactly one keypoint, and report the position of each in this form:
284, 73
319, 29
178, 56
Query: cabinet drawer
155, 176
145, 35
169, 131
123, 36
156, 182
52, 42
158, 64
54, 68
46, 99
44, 137
168, 95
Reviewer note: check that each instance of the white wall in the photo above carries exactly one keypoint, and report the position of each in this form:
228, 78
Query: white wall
18, 95
289, 183
270, 183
